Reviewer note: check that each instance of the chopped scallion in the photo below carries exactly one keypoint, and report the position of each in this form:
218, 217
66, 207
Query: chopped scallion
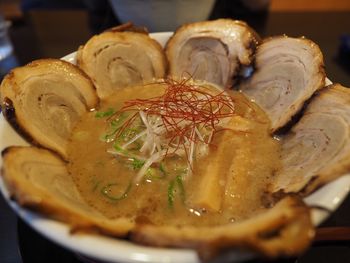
103, 114
162, 169
136, 163
174, 184
105, 191
171, 194
153, 174
115, 125
117, 147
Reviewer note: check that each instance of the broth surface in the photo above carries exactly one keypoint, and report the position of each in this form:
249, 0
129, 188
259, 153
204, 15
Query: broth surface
242, 166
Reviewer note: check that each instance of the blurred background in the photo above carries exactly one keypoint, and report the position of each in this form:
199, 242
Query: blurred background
86, 17
47, 21
33, 29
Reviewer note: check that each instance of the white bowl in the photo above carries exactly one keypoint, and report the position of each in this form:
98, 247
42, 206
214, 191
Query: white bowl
162, 15
116, 250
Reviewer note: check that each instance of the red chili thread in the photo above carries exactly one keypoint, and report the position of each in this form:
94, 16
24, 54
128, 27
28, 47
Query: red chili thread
184, 106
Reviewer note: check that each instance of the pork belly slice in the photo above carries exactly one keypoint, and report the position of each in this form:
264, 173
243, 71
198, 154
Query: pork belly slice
209, 194
283, 230
117, 59
39, 180
288, 71
317, 149
211, 50
44, 99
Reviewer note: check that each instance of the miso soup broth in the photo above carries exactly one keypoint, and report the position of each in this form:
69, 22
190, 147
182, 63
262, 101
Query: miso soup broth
174, 153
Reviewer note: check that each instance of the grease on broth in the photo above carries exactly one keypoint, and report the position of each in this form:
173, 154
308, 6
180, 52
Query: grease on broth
232, 171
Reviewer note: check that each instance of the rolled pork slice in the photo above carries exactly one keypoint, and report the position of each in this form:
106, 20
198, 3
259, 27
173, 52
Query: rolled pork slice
288, 71
118, 59
44, 99
38, 179
283, 230
317, 149
211, 50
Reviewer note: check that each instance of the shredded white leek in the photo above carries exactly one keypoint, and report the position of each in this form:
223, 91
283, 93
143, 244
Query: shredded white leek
158, 156
155, 140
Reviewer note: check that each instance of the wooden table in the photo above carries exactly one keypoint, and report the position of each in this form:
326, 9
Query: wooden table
56, 33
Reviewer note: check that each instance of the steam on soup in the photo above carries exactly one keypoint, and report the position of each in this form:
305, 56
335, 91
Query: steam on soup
174, 153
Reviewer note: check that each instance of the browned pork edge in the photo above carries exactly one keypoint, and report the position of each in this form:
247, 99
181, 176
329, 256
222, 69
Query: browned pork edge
330, 110
256, 86
12, 90
249, 40
128, 27
282, 231
126, 34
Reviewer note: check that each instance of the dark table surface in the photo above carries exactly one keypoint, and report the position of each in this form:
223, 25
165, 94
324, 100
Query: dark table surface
48, 33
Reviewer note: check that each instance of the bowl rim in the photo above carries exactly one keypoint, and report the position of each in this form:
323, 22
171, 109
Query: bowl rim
109, 249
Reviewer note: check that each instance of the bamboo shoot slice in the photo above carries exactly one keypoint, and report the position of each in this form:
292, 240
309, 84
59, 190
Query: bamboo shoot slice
210, 190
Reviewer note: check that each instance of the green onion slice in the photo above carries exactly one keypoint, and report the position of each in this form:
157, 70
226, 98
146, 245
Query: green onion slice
105, 191
137, 163
115, 125
103, 114
175, 184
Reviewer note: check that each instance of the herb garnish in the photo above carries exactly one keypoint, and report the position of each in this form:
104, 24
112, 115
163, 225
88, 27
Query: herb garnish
174, 185
106, 191
103, 114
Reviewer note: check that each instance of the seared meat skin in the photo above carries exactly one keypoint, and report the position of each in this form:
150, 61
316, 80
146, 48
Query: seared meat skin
211, 50
288, 71
317, 149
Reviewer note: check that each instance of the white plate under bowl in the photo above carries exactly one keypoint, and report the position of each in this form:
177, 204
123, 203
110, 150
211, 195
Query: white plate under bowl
108, 249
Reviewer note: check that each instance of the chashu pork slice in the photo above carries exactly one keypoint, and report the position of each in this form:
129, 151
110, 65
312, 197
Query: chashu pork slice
317, 149
38, 179
283, 230
116, 59
44, 99
288, 71
211, 50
